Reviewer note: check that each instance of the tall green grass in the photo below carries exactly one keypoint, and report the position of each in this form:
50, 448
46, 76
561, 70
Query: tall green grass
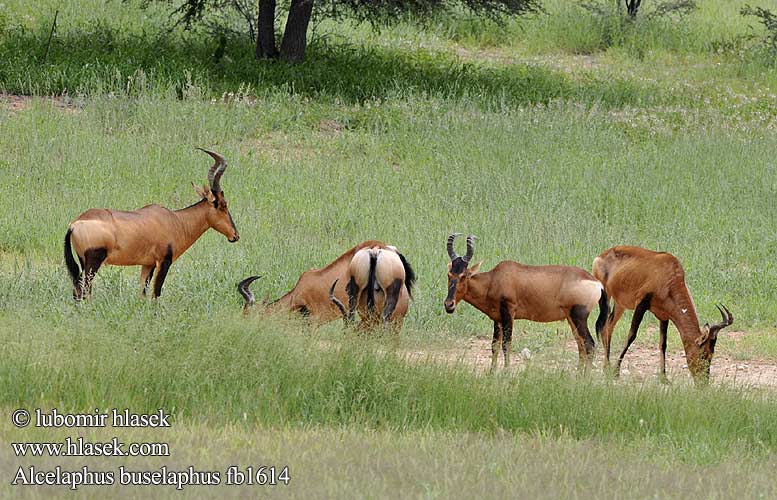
555, 184
261, 372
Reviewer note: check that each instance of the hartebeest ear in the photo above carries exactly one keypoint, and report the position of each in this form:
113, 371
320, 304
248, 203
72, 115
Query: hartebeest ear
474, 269
450, 265
203, 192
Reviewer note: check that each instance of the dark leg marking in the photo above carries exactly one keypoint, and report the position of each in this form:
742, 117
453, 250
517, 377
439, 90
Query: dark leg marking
392, 297
352, 289
304, 311
495, 343
507, 331
664, 326
639, 313
148, 280
93, 259
164, 266
579, 315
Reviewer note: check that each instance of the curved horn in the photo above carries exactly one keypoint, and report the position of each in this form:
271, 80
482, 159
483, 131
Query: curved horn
245, 291
216, 171
336, 302
728, 318
470, 248
451, 253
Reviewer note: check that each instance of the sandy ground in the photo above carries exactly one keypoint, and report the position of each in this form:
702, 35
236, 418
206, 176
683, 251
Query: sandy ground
640, 363
15, 102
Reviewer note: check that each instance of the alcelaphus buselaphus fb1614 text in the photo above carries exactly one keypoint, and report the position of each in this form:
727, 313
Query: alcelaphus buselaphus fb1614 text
310, 297
644, 280
513, 291
152, 237
378, 281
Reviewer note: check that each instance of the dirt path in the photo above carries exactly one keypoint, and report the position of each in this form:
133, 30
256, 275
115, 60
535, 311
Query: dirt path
14, 102
641, 363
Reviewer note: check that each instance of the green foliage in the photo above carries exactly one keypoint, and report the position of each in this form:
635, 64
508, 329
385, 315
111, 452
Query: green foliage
376, 12
769, 22
106, 60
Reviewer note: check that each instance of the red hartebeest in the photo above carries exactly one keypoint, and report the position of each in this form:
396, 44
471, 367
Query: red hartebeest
644, 280
152, 237
311, 295
516, 291
376, 278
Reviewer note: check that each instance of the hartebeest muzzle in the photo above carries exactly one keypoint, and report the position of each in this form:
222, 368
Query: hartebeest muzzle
449, 303
458, 266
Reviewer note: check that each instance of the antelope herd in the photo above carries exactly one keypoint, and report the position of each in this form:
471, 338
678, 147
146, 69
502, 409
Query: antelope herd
376, 280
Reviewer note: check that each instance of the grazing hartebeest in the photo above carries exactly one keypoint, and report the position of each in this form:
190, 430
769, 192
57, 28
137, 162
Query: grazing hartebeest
376, 272
310, 296
152, 237
644, 280
538, 293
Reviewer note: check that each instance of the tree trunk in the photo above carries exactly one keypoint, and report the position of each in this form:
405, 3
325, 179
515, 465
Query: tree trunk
265, 40
295, 34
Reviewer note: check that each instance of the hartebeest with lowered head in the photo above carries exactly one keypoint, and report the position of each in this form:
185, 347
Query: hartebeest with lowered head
513, 291
644, 280
311, 295
376, 278
152, 237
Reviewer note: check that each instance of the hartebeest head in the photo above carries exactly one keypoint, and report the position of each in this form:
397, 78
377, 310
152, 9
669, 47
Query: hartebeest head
458, 273
706, 343
219, 217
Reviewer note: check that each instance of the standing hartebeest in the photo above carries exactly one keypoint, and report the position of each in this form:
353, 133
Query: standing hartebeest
152, 237
538, 293
311, 295
376, 278
644, 280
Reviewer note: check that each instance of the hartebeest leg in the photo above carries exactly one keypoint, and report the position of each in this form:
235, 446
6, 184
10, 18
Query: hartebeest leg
609, 327
352, 289
392, 297
162, 269
578, 320
663, 327
639, 313
146, 273
580, 343
93, 259
495, 344
507, 332
78, 288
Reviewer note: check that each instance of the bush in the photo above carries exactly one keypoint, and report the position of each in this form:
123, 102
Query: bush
768, 45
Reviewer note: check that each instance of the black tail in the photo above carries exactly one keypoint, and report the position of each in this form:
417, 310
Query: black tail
409, 274
245, 291
72, 265
371, 282
336, 302
603, 310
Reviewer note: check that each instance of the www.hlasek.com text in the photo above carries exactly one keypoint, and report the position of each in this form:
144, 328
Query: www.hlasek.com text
79, 447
